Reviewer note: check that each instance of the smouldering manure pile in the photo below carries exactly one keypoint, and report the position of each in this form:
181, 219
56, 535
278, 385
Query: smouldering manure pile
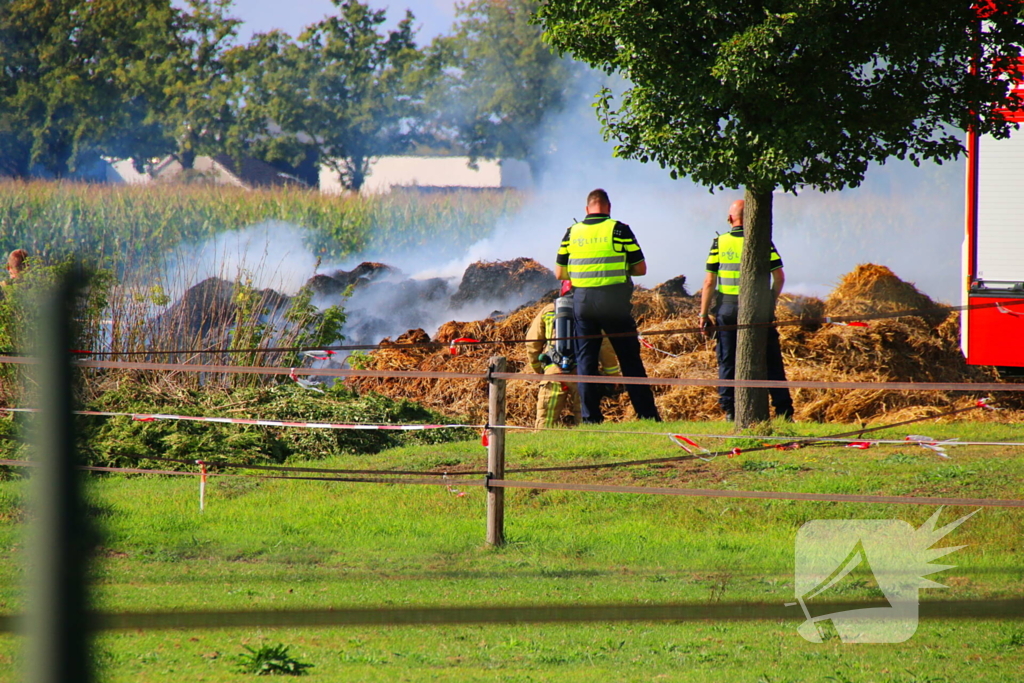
379, 301
921, 348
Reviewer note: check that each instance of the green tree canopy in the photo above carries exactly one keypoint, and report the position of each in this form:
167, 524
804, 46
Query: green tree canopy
124, 78
192, 92
767, 94
66, 78
498, 80
791, 93
344, 87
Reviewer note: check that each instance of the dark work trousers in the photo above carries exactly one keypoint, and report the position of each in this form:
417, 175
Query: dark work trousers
609, 309
727, 313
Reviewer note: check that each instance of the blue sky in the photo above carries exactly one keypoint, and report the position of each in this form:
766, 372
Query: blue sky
433, 17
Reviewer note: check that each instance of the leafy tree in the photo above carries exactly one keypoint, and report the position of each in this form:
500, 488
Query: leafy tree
499, 80
267, 91
343, 88
193, 90
66, 72
785, 94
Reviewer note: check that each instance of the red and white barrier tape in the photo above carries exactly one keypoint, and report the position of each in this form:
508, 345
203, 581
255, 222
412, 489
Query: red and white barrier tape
860, 443
282, 423
1006, 311
453, 345
317, 354
312, 385
691, 447
454, 491
648, 345
846, 323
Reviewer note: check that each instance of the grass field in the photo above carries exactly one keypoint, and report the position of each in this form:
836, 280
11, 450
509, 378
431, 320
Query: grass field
287, 544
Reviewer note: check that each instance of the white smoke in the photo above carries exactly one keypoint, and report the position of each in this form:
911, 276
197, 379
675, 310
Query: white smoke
909, 219
270, 255
273, 255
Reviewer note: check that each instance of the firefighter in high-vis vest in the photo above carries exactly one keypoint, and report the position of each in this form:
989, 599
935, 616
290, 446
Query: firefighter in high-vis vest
550, 351
723, 275
599, 256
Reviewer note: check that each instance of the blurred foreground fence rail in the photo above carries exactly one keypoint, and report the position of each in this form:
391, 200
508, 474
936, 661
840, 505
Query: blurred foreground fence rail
520, 614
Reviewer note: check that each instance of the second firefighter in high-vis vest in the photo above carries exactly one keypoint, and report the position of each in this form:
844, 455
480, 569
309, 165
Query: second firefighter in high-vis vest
723, 275
556, 398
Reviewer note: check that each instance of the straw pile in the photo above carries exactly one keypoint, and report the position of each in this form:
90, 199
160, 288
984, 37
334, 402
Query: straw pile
923, 348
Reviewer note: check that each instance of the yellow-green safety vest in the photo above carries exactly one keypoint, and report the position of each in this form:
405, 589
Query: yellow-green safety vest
730, 252
594, 260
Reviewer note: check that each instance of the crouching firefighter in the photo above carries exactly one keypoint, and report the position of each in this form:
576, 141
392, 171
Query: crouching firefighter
551, 351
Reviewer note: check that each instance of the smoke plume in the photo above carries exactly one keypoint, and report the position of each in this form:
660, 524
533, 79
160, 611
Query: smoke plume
907, 218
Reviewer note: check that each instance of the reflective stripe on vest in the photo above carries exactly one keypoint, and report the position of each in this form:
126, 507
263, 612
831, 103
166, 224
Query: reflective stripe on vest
549, 332
730, 253
593, 259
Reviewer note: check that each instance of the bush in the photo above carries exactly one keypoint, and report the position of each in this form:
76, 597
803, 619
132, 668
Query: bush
20, 316
270, 660
122, 441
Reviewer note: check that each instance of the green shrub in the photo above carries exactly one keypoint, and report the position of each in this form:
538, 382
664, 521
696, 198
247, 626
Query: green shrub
123, 441
270, 660
20, 309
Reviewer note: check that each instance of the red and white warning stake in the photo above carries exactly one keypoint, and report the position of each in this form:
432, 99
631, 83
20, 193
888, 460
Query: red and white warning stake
202, 484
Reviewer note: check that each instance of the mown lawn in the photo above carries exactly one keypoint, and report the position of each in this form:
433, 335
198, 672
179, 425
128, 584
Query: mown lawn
265, 544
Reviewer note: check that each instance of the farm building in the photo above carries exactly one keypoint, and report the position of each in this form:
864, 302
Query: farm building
222, 169
434, 174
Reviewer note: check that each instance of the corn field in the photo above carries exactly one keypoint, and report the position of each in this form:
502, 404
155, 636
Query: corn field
114, 225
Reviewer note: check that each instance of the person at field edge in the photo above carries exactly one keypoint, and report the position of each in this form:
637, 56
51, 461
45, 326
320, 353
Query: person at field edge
599, 256
556, 397
15, 265
723, 275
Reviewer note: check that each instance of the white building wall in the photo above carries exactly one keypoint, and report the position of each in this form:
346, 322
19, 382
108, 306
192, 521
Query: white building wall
433, 172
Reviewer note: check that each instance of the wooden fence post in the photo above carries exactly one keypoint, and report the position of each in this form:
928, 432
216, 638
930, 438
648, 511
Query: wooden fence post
496, 453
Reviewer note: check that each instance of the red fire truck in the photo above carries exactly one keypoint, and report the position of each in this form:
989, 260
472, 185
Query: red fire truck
992, 327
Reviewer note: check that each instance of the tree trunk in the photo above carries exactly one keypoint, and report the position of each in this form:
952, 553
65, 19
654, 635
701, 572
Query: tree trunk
187, 158
187, 150
536, 165
358, 168
755, 306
